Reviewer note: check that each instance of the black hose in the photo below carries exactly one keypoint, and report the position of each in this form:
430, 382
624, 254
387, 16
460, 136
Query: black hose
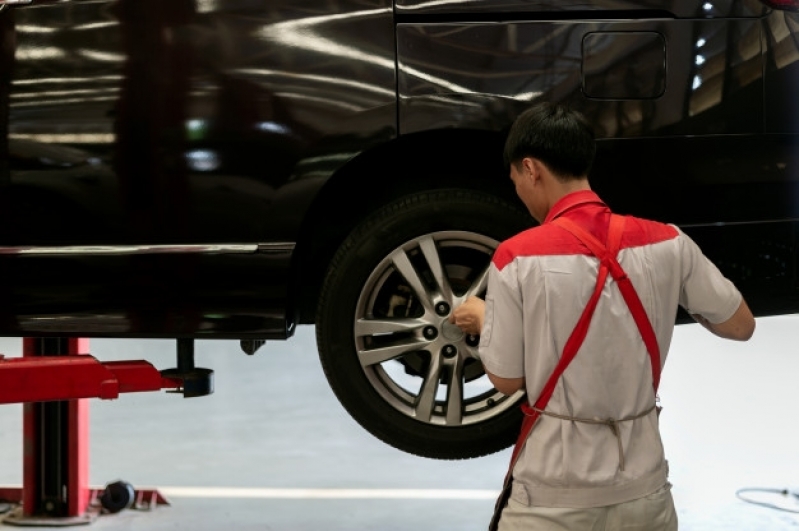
740, 494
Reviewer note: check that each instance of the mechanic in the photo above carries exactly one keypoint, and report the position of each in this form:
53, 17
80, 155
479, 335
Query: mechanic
594, 294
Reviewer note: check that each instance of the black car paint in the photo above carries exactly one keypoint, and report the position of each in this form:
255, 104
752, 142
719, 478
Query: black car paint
155, 124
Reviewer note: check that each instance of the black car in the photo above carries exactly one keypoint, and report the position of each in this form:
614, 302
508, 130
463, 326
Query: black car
199, 169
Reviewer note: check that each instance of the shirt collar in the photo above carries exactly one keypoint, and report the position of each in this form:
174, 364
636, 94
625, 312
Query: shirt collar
572, 200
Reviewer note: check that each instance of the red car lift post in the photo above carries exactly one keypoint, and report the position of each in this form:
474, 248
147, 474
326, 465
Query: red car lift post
53, 378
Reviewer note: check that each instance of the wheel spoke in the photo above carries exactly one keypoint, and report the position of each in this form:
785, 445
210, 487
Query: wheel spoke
409, 273
455, 394
426, 400
371, 327
389, 352
430, 252
479, 284
474, 352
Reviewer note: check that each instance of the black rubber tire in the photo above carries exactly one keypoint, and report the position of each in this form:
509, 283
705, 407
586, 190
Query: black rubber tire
465, 227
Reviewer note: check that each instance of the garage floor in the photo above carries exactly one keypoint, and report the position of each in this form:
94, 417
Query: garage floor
271, 449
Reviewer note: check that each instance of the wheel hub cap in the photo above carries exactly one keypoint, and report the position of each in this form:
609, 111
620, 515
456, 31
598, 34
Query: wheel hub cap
451, 332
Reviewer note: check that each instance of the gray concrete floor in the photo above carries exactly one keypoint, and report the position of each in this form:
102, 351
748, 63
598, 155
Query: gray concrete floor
272, 449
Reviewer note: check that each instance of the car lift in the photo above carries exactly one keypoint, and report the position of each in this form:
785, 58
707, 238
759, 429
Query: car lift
53, 379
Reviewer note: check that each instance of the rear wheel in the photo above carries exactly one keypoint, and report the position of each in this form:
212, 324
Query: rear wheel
394, 361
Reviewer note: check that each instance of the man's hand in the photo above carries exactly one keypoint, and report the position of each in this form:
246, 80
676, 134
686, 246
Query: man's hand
469, 316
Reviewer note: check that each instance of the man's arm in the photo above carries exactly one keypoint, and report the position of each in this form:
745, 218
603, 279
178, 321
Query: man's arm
739, 327
706, 294
469, 317
506, 386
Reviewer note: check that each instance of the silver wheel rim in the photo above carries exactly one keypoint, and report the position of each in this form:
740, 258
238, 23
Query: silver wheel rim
419, 363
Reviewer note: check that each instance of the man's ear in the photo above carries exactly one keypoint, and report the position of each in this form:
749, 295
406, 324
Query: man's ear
541, 171
534, 169
529, 169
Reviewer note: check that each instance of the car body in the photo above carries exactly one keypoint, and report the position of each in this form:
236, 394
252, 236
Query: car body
235, 168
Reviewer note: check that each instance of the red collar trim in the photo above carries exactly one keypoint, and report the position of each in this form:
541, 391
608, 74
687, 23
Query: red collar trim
572, 200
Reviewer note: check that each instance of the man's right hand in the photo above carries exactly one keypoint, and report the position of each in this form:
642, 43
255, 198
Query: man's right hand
469, 316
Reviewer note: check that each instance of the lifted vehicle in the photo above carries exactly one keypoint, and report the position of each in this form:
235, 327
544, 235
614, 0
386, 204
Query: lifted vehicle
198, 169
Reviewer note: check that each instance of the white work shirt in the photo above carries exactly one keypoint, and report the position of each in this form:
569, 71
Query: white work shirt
538, 285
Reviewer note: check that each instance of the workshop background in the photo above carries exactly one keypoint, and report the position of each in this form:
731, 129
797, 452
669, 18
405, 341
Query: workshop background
272, 449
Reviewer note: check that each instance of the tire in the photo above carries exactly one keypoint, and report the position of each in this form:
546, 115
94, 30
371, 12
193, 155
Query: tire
395, 363
117, 496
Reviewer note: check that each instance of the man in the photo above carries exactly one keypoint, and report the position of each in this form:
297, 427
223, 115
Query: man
593, 459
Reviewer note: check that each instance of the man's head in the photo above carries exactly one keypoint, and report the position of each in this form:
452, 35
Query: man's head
549, 151
557, 136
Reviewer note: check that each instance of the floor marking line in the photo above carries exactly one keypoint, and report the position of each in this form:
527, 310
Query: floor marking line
298, 493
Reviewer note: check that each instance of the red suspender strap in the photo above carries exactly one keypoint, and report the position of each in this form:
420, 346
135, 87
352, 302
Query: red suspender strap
608, 257
607, 264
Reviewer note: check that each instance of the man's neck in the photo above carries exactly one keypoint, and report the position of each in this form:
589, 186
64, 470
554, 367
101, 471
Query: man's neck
561, 189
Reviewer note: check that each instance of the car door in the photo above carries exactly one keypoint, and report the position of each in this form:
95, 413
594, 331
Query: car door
127, 200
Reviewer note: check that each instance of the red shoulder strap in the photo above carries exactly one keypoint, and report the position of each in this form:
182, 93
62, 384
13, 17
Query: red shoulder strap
607, 256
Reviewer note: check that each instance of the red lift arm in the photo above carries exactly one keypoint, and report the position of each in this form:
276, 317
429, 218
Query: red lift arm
67, 377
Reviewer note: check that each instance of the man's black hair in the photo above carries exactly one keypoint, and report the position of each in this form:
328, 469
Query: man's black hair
559, 137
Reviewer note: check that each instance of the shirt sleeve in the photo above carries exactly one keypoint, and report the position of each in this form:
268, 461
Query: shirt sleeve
501, 340
705, 290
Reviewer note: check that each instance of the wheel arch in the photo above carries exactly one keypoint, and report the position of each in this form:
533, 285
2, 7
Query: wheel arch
430, 160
